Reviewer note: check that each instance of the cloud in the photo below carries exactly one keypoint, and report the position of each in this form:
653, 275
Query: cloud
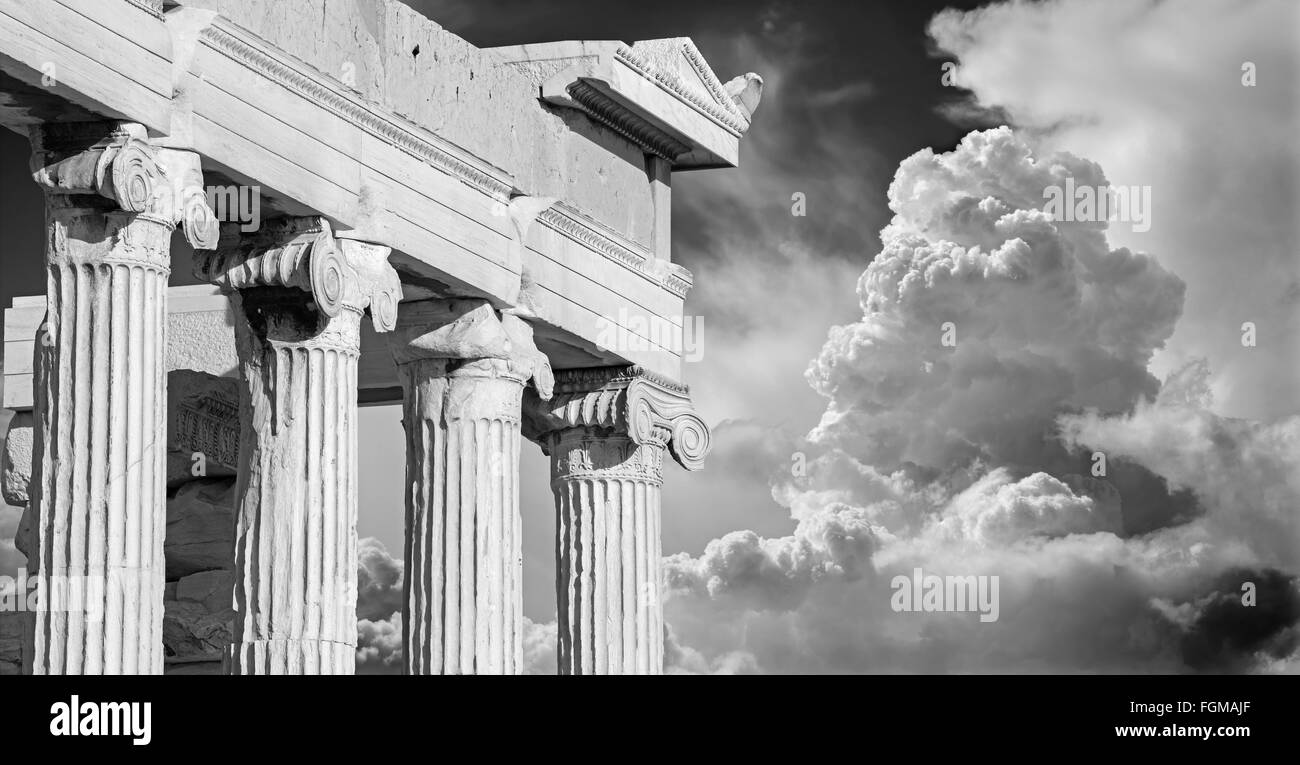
997, 510
540, 647
1243, 471
1154, 92
684, 660
983, 316
750, 572
379, 645
379, 580
973, 460
853, 92
379, 609
1220, 635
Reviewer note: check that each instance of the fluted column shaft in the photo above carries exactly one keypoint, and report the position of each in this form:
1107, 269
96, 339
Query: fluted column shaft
464, 564
101, 440
98, 497
607, 430
607, 552
301, 295
463, 368
296, 500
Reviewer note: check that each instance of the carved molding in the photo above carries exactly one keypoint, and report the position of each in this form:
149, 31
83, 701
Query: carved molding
580, 454
722, 110
303, 253
215, 434
626, 122
152, 7
246, 49
647, 408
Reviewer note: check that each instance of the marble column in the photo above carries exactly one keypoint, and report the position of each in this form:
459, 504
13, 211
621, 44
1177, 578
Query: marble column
301, 295
606, 431
98, 502
463, 368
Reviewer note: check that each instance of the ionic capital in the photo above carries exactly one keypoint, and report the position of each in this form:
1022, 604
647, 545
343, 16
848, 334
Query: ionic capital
470, 338
630, 401
303, 254
118, 162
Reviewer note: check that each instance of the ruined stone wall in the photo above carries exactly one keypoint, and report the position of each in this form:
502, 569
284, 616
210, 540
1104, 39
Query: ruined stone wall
10, 559
197, 599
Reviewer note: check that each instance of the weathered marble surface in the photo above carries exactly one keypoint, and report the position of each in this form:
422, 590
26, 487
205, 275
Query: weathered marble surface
606, 431
466, 95
200, 527
16, 459
301, 296
202, 426
113, 199
197, 622
463, 369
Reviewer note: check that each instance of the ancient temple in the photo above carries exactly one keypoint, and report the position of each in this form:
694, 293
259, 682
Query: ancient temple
261, 216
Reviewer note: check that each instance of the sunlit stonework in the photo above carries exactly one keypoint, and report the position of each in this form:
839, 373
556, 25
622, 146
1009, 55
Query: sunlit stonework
182, 403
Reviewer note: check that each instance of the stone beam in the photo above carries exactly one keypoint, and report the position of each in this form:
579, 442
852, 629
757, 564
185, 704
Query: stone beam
109, 59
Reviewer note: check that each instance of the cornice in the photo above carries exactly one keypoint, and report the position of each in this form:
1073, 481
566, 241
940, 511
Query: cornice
716, 109
152, 7
626, 122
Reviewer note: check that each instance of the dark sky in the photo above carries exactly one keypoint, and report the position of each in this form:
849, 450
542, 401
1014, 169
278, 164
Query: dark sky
839, 74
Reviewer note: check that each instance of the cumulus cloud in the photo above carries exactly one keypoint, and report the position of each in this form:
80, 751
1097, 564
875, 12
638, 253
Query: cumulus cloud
379, 580
379, 609
1243, 470
972, 459
747, 571
1154, 92
540, 647
983, 316
379, 645
997, 510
